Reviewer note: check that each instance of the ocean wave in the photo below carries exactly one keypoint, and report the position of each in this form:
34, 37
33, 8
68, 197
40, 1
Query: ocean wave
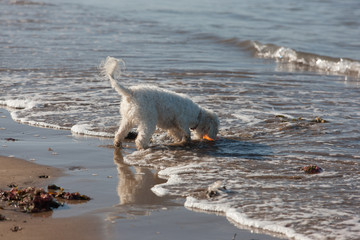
22, 2
18, 103
301, 60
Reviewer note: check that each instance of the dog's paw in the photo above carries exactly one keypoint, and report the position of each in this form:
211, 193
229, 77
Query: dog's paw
141, 145
117, 144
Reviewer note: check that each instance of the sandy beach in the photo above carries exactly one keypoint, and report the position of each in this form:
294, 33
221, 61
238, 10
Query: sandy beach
20, 225
122, 205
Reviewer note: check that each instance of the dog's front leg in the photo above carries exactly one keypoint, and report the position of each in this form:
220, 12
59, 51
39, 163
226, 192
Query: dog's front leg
145, 131
175, 134
185, 132
187, 137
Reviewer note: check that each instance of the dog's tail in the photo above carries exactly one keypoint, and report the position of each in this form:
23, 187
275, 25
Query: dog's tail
109, 68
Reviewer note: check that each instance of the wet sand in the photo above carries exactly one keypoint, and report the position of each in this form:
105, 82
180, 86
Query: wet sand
20, 225
24, 173
122, 205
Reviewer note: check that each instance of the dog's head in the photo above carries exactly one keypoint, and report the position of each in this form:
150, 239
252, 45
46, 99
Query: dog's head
208, 125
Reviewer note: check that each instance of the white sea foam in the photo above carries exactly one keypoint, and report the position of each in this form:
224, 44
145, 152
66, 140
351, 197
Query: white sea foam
240, 218
172, 174
19, 103
85, 129
158, 190
182, 169
250, 119
205, 205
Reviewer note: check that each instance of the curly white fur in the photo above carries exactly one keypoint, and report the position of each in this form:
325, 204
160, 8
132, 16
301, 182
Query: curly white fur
149, 106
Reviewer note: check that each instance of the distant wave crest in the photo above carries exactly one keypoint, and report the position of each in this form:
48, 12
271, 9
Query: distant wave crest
309, 61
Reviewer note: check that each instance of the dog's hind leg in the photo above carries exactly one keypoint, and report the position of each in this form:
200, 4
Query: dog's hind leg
124, 129
145, 131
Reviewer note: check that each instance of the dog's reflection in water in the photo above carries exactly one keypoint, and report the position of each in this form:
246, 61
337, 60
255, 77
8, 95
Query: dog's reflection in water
135, 183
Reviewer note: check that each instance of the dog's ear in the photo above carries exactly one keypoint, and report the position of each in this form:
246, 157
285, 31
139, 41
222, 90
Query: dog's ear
214, 126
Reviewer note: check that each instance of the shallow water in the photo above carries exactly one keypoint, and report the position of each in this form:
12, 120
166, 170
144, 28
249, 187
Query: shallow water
268, 68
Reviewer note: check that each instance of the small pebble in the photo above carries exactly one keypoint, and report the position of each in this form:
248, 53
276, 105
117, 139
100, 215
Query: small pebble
15, 228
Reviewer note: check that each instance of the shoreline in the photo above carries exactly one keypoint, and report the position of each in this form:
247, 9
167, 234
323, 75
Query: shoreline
122, 205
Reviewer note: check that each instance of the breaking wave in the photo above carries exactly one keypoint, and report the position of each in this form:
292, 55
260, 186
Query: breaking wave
299, 60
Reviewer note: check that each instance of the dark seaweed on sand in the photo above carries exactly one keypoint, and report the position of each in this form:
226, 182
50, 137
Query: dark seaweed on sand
32, 200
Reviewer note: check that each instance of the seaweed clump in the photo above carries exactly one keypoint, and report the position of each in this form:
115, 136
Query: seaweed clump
71, 196
58, 192
312, 169
33, 200
30, 199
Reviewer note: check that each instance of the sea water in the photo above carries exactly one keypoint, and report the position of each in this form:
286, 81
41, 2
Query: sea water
271, 70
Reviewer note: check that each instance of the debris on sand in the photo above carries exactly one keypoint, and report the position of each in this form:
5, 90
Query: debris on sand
300, 119
286, 123
216, 188
11, 139
58, 192
71, 196
12, 185
2, 218
32, 200
312, 169
16, 228
319, 120
53, 187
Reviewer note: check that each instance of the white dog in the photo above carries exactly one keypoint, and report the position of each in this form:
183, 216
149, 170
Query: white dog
150, 106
